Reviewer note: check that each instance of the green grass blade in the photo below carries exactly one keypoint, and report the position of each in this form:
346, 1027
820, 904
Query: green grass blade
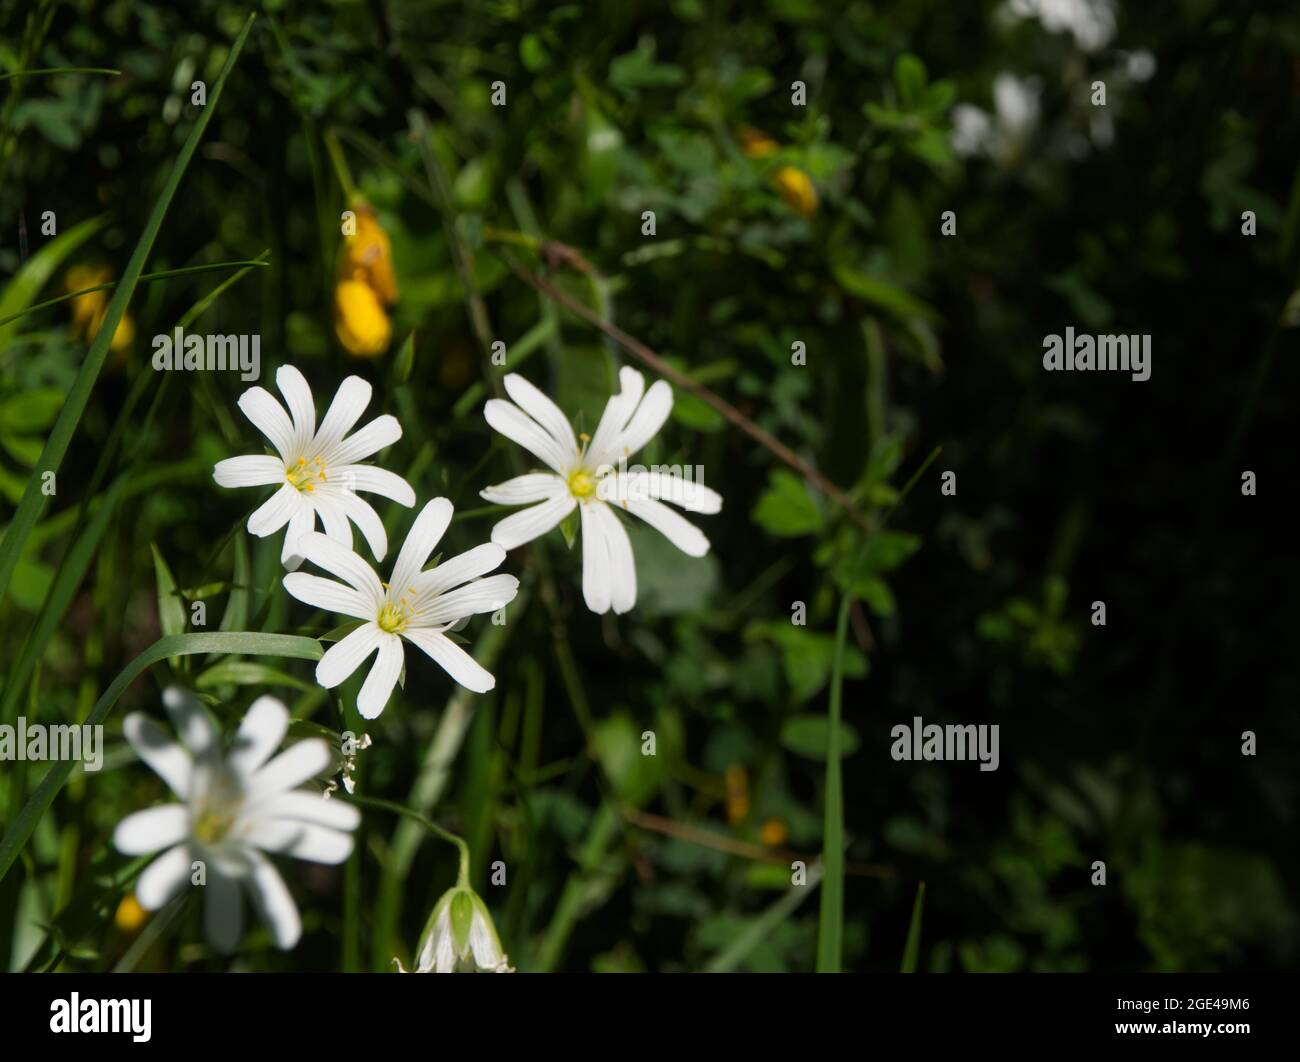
912, 949
248, 643
761, 927
243, 265
16, 300
56, 446
50, 71
830, 925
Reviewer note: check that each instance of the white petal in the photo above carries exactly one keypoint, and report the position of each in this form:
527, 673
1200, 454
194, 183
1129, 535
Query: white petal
482, 595
528, 524
328, 554
163, 878
374, 480
459, 569
367, 520
273, 902
193, 724
383, 676
301, 523
424, 536
348, 654
303, 806
223, 911
689, 494
168, 760
618, 411
597, 576
254, 470
350, 401
484, 945
260, 732
329, 595
269, 417
517, 426
303, 840
380, 432
622, 566
275, 512
298, 763
648, 419
302, 408
451, 658
543, 410
152, 829
676, 528
531, 487
333, 518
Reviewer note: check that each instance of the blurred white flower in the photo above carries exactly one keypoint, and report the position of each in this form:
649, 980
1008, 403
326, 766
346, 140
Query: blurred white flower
1004, 136
460, 937
1090, 22
232, 809
316, 469
594, 479
417, 606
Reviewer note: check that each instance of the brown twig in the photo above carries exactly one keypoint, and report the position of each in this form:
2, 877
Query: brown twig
644, 354
743, 849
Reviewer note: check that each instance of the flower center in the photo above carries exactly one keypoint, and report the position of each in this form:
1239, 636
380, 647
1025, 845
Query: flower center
582, 484
306, 474
212, 826
395, 616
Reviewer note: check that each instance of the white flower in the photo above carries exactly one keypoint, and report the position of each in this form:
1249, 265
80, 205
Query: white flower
587, 478
460, 937
316, 468
232, 809
417, 605
1090, 22
1004, 135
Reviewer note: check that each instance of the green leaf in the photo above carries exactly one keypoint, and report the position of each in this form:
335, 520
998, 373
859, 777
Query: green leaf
787, 508
171, 610
912, 949
243, 642
56, 446
909, 76
405, 360
808, 736
881, 294
248, 673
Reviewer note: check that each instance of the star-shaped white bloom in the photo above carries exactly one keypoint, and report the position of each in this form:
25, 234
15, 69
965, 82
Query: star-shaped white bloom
461, 937
316, 469
593, 477
231, 810
417, 606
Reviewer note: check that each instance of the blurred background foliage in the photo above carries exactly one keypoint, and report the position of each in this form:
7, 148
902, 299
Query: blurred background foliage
775, 225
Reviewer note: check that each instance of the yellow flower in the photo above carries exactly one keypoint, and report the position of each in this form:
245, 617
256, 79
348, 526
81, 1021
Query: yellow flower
130, 915
756, 144
368, 255
737, 793
359, 319
773, 833
797, 189
89, 310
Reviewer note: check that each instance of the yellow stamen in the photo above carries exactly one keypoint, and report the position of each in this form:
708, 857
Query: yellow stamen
582, 485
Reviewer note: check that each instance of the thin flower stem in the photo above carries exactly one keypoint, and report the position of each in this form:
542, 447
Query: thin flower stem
446, 835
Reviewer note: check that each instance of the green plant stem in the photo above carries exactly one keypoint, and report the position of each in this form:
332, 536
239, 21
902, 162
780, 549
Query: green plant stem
462, 876
146, 278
